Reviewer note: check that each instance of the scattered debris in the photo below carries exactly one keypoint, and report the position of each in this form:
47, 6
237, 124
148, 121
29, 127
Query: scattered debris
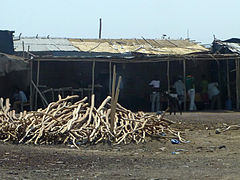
175, 141
175, 153
227, 127
221, 147
80, 123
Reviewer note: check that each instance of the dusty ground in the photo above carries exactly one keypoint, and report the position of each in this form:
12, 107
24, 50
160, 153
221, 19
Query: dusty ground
207, 156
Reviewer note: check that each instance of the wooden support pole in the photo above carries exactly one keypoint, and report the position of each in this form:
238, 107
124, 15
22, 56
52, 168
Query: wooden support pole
39, 92
168, 78
114, 105
237, 83
113, 81
37, 83
28, 52
93, 76
100, 28
31, 88
110, 78
168, 74
228, 82
23, 54
113, 99
184, 81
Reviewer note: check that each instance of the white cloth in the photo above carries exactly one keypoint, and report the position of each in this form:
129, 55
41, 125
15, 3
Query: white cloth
173, 95
179, 86
213, 90
191, 94
155, 83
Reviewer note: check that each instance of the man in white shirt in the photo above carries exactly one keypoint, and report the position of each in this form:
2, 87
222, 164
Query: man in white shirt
214, 95
155, 98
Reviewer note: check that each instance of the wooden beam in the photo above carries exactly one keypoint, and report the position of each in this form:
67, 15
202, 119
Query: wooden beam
23, 54
31, 88
184, 81
37, 83
114, 105
110, 78
113, 109
168, 74
100, 28
168, 78
93, 76
237, 83
37, 90
228, 82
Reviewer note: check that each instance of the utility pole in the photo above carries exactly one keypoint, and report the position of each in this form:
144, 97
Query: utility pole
100, 28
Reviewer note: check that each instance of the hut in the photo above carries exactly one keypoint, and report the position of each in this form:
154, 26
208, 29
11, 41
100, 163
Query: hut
83, 66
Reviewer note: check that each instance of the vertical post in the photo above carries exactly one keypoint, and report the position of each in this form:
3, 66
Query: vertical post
228, 83
184, 81
100, 28
237, 83
93, 76
219, 73
113, 81
31, 88
110, 78
23, 50
113, 99
114, 105
37, 84
168, 78
28, 52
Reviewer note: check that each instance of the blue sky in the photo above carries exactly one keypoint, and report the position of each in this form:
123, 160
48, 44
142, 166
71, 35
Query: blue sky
123, 18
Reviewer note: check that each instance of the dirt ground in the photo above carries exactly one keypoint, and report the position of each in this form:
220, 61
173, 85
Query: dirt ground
207, 156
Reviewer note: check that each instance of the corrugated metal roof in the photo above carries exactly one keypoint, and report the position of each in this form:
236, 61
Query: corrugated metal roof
227, 46
122, 48
44, 44
233, 47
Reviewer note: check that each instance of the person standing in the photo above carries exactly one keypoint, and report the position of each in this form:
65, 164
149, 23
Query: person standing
190, 87
214, 95
179, 86
155, 97
204, 91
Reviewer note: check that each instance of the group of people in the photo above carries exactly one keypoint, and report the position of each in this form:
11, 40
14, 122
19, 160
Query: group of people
210, 93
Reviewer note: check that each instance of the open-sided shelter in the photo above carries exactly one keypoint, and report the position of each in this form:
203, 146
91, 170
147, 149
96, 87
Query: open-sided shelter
86, 65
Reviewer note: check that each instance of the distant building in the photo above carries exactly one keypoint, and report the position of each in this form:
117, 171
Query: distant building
6, 42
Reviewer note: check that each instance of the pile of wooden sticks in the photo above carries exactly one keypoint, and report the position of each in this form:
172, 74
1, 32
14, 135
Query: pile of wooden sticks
78, 123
